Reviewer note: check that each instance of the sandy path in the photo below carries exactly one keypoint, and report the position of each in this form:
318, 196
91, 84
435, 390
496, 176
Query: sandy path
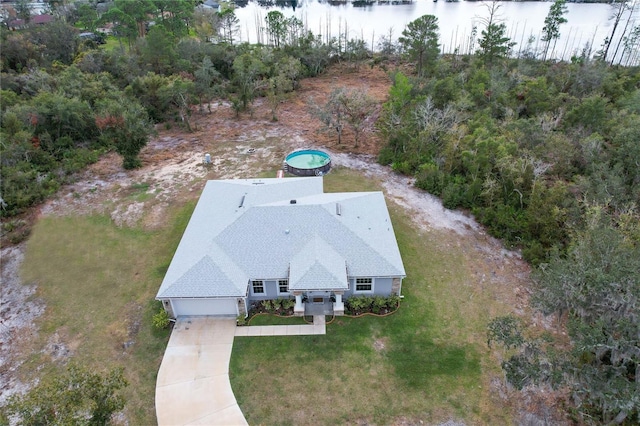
18, 311
426, 210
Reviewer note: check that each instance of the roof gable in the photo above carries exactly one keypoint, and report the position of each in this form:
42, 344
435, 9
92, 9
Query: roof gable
265, 239
204, 279
317, 266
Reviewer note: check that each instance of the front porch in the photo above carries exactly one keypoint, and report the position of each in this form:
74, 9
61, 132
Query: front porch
308, 305
325, 308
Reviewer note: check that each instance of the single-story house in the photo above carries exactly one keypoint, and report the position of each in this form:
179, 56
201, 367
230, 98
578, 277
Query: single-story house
258, 239
18, 24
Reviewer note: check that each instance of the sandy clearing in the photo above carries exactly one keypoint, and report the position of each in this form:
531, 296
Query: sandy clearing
426, 210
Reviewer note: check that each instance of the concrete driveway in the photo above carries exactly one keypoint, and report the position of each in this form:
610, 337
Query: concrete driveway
193, 381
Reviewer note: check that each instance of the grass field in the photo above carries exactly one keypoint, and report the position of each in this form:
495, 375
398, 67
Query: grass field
98, 282
112, 43
427, 362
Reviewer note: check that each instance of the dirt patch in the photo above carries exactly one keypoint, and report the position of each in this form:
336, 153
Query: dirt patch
58, 348
380, 344
18, 310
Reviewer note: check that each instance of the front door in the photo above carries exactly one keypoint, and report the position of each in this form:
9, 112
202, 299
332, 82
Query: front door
318, 297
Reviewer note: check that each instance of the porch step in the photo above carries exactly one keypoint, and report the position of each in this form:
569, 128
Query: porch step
312, 309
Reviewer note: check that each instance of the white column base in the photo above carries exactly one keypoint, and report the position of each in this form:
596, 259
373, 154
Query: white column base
298, 309
338, 305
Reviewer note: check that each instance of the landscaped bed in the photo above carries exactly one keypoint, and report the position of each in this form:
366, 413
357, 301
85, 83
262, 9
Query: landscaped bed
353, 307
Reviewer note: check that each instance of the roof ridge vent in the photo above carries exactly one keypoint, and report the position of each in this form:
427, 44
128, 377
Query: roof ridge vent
338, 209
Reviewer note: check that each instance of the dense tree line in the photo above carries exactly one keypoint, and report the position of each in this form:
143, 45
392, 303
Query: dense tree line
521, 145
67, 100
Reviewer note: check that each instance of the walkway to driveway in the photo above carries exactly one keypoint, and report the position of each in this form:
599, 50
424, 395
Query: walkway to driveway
193, 385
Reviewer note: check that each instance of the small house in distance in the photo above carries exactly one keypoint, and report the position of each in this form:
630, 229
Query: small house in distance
259, 239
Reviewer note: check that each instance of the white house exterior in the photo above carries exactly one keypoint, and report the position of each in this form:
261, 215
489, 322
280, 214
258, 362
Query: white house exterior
259, 239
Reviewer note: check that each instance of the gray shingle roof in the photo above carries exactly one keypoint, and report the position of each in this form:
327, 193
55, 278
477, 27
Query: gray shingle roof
250, 229
204, 279
317, 266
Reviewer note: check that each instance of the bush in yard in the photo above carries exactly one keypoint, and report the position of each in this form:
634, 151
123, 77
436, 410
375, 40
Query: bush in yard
78, 396
358, 305
276, 306
161, 319
288, 304
268, 305
393, 302
379, 303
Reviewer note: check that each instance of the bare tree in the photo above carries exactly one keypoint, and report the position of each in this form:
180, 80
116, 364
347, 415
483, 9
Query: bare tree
632, 46
387, 45
623, 37
493, 43
620, 7
359, 107
345, 107
332, 114
229, 25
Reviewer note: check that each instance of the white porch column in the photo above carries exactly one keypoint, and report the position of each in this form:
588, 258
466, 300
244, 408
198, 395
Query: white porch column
338, 305
298, 309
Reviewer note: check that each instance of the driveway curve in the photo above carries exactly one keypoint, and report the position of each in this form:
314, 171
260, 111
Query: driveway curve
193, 385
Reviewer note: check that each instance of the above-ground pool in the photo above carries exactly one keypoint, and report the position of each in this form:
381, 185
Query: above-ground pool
308, 162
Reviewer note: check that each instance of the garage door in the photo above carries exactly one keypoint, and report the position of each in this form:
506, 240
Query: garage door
191, 307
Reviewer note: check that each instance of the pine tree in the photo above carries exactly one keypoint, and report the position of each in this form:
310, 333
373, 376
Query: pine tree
551, 29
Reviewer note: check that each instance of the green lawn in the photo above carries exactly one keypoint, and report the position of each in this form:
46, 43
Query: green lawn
98, 282
269, 319
426, 362
112, 43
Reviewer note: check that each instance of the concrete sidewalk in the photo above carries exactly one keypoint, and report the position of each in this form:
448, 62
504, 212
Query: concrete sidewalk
193, 385
318, 327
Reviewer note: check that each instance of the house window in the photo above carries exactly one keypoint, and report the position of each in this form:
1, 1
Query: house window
364, 284
257, 287
283, 286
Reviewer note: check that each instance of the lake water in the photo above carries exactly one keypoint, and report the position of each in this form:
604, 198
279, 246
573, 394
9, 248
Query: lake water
586, 22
